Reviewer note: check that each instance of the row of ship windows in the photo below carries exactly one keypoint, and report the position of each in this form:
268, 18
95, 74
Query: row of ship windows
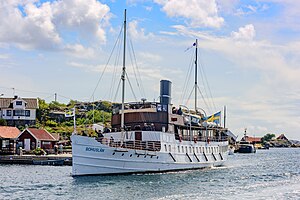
185, 149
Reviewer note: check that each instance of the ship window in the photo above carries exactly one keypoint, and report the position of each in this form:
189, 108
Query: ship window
170, 148
186, 150
178, 149
18, 103
166, 148
182, 150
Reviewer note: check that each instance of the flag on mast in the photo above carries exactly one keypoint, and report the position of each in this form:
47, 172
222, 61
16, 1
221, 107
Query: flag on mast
70, 113
214, 118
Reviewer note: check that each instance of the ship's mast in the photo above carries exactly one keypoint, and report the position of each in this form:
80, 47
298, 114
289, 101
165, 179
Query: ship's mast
196, 82
123, 74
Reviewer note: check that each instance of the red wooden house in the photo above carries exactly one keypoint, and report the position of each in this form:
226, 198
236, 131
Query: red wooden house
8, 137
32, 138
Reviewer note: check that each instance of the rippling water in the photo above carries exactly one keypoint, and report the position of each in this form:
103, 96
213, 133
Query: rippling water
268, 174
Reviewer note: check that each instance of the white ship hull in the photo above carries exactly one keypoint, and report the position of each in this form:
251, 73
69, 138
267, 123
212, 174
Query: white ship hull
91, 157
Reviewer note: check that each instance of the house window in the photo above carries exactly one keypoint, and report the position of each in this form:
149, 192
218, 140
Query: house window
27, 113
8, 112
19, 112
18, 103
5, 143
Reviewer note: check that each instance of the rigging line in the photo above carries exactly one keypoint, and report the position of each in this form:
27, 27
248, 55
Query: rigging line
131, 87
210, 93
187, 78
114, 75
204, 100
187, 101
138, 71
141, 115
203, 81
114, 100
105, 65
47, 97
64, 97
188, 75
13, 88
131, 60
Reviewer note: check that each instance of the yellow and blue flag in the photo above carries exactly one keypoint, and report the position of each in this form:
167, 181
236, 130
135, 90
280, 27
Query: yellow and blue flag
214, 118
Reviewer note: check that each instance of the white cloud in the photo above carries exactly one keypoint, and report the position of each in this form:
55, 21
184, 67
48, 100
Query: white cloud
197, 12
227, 6
83, 16
4, 56
136, 32
149, 57
42, 25
79, 51
245, 33
34, 30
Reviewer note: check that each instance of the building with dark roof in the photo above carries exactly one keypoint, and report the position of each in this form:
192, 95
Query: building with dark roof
282, 137
32, 138
8, 137
18, 111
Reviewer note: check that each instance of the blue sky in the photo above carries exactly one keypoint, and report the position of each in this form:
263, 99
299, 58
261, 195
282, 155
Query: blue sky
249, 50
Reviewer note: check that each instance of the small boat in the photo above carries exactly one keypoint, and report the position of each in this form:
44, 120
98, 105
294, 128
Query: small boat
245, 147
48, 162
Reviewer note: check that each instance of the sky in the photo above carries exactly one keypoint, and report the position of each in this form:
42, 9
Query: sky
249, 55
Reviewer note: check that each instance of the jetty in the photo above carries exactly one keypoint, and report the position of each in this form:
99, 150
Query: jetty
60, 159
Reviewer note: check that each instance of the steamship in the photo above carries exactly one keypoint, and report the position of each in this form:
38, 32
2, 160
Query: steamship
148, 137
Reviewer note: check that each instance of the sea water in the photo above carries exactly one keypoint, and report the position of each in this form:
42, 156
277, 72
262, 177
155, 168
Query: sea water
267, 174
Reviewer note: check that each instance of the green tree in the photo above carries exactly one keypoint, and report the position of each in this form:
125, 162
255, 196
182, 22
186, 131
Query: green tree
268, 137
3, 122
54, 105
42, 112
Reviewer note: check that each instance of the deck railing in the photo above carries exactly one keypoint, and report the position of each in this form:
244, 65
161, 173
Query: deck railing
133, 144
204, 139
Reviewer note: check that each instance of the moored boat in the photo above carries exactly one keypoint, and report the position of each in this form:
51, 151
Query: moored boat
245, 147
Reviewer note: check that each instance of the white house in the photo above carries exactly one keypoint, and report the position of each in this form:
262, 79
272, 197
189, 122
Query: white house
18, 111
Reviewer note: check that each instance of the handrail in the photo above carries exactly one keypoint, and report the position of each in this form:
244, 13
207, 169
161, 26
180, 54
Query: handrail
132, 144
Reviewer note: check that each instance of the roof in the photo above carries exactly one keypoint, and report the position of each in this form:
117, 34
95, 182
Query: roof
9, 132
32, 103
282, 137
251, 139
41, 134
